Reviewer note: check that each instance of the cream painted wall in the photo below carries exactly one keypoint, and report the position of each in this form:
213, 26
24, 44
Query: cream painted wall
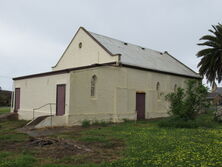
90, 53
82, 105
115, 98
116, 89
36, 92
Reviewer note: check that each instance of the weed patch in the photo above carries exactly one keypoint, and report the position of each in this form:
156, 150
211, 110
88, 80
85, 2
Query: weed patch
85, 123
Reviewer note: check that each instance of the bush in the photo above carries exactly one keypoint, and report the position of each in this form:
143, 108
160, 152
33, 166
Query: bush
186, 104
85, 123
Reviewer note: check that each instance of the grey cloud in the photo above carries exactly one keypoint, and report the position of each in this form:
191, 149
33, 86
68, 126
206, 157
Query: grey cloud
34, 34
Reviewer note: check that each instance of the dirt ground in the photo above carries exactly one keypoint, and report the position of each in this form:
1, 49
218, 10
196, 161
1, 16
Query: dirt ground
49, 131
44, 143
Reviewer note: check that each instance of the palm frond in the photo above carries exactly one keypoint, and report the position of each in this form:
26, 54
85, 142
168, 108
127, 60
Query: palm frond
210, 64
209, 43
210, 38
205, 52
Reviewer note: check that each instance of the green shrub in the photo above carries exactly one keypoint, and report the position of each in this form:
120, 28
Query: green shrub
85, 123
176, 102
186, 104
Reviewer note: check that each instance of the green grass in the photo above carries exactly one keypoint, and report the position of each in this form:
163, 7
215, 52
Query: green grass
202, 121
63, 165
8, 132
145, 145
4, 110
11, 160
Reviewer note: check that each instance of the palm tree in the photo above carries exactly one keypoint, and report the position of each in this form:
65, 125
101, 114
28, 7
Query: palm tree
210, 64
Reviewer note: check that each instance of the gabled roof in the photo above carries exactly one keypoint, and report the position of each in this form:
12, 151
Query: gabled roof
137, 56
132, 56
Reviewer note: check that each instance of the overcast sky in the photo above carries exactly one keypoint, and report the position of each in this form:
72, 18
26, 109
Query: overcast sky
34, 33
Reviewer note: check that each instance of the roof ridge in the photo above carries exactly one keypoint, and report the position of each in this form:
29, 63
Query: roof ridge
125, 42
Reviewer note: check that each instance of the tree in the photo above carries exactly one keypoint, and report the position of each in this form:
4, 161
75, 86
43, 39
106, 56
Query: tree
187, 103
210, 64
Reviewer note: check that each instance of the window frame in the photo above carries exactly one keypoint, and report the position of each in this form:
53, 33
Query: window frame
158, 90
93, 86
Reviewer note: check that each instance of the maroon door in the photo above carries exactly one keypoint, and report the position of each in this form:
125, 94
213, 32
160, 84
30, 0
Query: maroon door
60, 99
17, 99
140, 106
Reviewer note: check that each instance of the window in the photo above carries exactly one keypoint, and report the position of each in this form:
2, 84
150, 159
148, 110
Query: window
175, 88
158, 90
93, 85
80, 44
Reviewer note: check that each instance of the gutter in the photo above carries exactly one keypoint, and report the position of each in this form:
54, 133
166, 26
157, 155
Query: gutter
62, 71
159, 71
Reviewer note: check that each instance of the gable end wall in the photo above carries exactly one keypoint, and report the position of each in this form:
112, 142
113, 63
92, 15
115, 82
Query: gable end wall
90, 53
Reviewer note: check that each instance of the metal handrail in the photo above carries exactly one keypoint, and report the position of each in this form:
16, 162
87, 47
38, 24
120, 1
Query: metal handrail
42, 106
50, 104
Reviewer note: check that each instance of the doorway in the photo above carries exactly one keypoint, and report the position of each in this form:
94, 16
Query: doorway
17, 99
60, 99
140, 106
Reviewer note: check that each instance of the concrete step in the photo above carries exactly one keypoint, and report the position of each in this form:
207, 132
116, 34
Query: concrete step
36, 121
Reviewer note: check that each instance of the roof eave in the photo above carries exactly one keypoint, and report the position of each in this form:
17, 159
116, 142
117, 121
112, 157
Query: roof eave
159, 71
62, 71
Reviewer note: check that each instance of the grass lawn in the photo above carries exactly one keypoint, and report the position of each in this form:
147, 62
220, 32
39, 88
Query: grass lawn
4, 110
129, 144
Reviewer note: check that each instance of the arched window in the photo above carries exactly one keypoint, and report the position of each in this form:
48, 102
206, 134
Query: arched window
158, 89
175, 88
157, 86
80, 45
93, 85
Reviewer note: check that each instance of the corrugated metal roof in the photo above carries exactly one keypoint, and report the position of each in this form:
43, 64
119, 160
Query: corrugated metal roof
143, 57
